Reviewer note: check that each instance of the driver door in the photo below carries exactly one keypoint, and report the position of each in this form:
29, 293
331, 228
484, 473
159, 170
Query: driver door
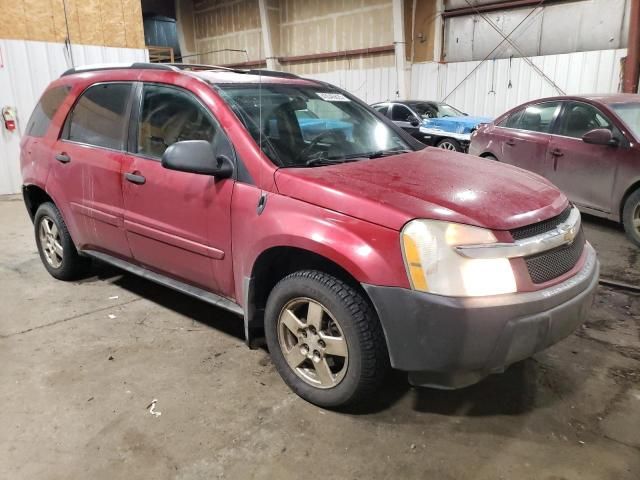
579, 169
177, 223
402, 116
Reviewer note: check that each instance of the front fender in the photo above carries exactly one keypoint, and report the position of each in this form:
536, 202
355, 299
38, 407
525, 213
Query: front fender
370, 253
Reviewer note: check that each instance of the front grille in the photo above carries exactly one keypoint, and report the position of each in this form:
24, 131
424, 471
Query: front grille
540, 227
551, 264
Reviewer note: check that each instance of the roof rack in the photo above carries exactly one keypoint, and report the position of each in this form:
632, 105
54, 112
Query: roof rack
118, 66
175, 67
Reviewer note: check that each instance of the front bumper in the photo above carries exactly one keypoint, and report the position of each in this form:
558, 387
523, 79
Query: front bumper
451, 342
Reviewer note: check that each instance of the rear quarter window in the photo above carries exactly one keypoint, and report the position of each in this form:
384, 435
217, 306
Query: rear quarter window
45, 110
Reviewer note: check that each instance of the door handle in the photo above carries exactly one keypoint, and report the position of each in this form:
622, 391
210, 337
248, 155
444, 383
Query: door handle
556, 152
63, 158
135, 178
511, 142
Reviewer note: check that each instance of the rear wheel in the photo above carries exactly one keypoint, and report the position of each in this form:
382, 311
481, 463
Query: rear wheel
324, 339
631, 217
56, 249
449, 144
490, 157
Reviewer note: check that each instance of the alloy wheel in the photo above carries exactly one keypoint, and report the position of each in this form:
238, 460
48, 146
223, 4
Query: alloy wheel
50, 242
635, 218
312, 343
447, 146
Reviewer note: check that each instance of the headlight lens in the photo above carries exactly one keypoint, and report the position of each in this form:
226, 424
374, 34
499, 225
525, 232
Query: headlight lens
434, 266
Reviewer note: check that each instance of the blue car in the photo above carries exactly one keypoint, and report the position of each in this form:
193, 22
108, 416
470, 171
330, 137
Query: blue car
433, 123
312, 125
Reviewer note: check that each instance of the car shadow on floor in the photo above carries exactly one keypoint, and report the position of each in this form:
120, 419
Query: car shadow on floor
182, 304
521, 388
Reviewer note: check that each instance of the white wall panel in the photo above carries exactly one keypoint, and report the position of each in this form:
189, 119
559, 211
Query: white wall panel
498, 85
371, 85
26, 68
576, 26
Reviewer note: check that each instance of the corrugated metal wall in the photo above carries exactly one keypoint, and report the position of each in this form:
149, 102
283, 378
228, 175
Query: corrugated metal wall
371, 85
496, 85
548, 30
26, 68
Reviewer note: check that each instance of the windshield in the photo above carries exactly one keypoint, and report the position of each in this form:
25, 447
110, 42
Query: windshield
630, 115
305, 126
436, 110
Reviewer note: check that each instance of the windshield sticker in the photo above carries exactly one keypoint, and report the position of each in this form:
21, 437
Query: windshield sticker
333, 97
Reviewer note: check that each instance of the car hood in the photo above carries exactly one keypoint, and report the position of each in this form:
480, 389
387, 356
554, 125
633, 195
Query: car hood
431, 183
463, 124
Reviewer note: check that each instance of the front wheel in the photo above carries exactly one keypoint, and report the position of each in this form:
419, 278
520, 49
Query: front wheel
449, 144
325, 339
631, 217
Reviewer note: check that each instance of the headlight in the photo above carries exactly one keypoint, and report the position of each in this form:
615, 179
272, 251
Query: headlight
434, 266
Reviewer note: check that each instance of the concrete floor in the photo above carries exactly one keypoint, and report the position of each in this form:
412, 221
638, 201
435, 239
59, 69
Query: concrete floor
80, 363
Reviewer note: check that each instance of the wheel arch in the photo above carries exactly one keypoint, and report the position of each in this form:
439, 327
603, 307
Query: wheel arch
628, 192
272, 265
34, 196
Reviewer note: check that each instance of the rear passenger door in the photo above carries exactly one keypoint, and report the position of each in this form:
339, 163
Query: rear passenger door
177, 223
525, 137
87, 166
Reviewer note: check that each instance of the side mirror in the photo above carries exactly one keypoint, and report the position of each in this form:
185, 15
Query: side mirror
600, 136
414, 121
197, 156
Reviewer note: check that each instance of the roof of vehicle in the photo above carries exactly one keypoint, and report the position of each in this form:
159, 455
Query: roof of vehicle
408, 102
606, 98
209, 73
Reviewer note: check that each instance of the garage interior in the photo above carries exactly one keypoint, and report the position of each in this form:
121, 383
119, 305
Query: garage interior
113, 376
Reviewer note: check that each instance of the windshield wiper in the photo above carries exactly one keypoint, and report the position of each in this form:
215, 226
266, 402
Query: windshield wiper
385, 153
315, 162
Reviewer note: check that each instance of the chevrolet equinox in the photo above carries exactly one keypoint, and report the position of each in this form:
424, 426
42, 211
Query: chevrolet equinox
339, 239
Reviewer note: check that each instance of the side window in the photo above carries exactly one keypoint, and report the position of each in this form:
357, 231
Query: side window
537, 118
45, 110
171, 115
100, 116
382, 109
400, 113
511, 121
579, 118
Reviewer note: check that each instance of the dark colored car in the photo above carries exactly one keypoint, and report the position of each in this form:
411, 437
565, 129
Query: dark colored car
350, 253
586, 145
433, 123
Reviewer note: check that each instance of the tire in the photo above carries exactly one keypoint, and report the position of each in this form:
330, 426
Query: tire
490, 157
56, 249
631, 217
449, 144
346, 318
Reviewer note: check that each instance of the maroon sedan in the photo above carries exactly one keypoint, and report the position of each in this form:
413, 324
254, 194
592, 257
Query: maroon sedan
588, 146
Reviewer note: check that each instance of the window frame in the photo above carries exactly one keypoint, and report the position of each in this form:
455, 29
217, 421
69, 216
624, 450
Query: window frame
66, 126
552, 124
136, 111
616, 131
393, 109
385, 105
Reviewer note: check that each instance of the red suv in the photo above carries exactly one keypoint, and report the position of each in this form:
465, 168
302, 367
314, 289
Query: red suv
588, 146
351, 248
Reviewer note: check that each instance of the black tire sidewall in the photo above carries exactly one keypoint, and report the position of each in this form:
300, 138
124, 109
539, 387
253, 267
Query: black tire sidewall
294, 287
630, 205
70, 260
